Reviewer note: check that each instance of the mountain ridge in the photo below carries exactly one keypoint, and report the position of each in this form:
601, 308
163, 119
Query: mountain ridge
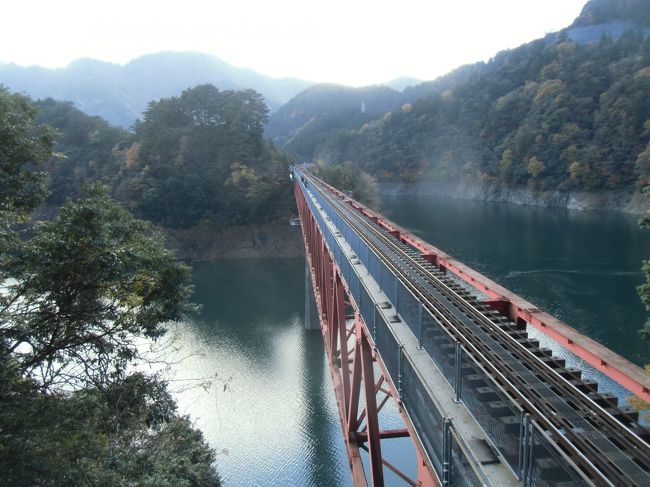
120, 93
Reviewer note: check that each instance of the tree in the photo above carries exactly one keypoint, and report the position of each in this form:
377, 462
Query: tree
88, 149
124, 435
643, 165
348, 177
22, 147
85, 285
535, 166
506, 160
201, 157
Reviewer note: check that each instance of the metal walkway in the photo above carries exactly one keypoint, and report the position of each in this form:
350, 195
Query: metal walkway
483, 404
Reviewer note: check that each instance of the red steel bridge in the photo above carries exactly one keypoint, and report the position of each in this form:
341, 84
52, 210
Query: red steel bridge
480, 400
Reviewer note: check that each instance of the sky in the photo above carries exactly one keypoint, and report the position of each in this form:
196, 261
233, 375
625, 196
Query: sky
353, 42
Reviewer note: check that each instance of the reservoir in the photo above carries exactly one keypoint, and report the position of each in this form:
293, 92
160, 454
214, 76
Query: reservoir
269, 410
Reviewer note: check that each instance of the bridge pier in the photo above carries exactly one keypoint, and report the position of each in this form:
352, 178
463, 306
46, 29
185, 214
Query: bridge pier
311, 310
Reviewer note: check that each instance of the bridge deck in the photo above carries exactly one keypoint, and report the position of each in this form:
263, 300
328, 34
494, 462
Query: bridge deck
432, 378
621, 370
547, 425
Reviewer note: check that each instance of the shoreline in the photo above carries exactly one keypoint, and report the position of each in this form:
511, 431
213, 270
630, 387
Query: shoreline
206, 243
619, 201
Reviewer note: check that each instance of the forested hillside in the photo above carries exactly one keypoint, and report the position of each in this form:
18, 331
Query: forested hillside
87, 149
602, 11
551, 114
325, 110
202, 157
196, 158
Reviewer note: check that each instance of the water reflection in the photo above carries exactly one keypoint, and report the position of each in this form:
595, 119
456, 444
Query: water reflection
272, 414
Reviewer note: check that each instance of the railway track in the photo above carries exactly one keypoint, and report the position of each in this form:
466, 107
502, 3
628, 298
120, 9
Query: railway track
605, 444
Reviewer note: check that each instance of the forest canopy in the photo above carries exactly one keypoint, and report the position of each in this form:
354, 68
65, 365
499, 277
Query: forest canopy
197, 158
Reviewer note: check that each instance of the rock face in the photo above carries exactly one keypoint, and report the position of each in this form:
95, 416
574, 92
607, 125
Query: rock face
633, 203
204, 242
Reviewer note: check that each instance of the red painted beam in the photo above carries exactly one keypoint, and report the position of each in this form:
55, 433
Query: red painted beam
372, 415
385, 434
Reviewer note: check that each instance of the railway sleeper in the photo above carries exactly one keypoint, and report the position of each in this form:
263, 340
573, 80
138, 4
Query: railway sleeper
502, 321
625, 414
520, 324
509, 327
552, 361
569, 372
498, 409
529, 343
510, 424
604, 399
585, 385
486, 394
641, 431
518, 335
543, 352
475, 381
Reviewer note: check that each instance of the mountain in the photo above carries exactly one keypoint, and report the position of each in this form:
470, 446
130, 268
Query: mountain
402, 82
563, 112
322, 109
610, 18
120, 94
605, 11
315, 118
